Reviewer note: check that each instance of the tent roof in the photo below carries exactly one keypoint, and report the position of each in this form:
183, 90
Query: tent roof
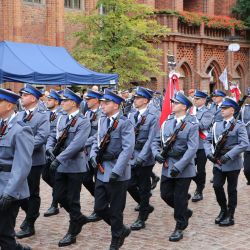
40, 64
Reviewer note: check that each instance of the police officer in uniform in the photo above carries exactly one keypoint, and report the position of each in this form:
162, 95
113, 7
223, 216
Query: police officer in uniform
228, 166
16, 147
204, 117
179, 167
38, 121
218, 97
93, 114
54, 112
111, 186
142, 162
70, 164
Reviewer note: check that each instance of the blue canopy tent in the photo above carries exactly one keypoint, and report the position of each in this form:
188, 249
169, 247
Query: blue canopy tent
40, 64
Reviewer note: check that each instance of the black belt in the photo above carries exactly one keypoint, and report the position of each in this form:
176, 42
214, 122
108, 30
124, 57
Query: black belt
175, 154
109, 157
5, 168
139, 145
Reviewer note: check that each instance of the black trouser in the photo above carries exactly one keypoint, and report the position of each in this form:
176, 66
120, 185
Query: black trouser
174, 191
140, 187
247, 165
7, 225
110, 201
67, 191
200, 162
88, 180
31, 206
232, 181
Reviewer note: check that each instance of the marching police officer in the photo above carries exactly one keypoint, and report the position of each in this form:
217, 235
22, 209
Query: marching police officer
218, 97
38, 121
111, 186
204, 117
16, 147
179, 167
93, 114
70, 164
54, 112
228, 166
146, 125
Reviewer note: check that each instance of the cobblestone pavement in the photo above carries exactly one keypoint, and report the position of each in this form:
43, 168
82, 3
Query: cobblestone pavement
201, 232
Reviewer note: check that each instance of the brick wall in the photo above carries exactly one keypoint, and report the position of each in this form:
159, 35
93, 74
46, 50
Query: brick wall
173, 4
193, 5
223, 7
148, 2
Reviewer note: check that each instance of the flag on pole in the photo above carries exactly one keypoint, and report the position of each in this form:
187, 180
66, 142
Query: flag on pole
172, 88
235, 90
223, 79
210, 74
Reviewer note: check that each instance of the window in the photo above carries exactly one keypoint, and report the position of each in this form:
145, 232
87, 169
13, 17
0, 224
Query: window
205, 6
34, 1
72, 4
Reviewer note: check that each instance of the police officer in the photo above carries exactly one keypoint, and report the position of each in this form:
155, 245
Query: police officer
245, 116
93, 114
111, 186
16, 147
70, 164
54, 112
146, 125
204, 117
218, 97
228, 166
179, 167
38, 121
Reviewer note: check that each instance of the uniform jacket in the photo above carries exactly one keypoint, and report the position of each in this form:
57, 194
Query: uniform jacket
216, 112
53, 119
145, 137
186, 145
16, 147
40, 126
73, 158
245, 115
121, 145
237, 143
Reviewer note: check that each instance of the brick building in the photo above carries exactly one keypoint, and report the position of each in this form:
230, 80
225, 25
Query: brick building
197, 49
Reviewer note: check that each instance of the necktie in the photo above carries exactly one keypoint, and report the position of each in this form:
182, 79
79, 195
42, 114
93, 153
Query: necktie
25, 115
175, 122
67, 120
108, 122
136, 116
2, 127
224, 124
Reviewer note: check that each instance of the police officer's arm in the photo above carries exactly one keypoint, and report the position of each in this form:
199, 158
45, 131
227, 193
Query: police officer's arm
77, 144
208, 143
243, 141
22, 161
42, 132
206, 120
51, 141
146, 150
156, 143
192, 144
128, 144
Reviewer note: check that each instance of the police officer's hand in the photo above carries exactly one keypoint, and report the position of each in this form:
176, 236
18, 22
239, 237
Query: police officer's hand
50, 155
211, 158
5, 202
54, 165
138, 162
174, 172
113, 177
224, 159
93, 162
159, 158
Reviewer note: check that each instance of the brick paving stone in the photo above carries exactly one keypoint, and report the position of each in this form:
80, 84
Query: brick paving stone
201, 232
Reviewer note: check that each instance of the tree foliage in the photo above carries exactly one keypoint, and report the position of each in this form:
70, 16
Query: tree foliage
123, 40
242, 11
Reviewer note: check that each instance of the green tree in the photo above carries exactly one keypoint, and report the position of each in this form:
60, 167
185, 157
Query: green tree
242, 11
122, 40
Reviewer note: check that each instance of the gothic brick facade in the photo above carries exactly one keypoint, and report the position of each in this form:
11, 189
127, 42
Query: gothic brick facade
197, 49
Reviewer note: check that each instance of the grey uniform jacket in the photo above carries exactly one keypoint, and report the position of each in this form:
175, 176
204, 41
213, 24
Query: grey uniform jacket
121, 145
216, 112
205, 118
186, 145
16, 147
73, 158
237, 143
53, 120
245, 115
40, 126
145, 137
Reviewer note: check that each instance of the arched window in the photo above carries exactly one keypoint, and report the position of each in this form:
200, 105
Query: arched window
35, 1
73, 4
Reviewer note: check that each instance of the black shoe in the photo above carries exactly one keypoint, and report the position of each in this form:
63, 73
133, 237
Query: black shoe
28, 231
115, 243
228, 221
150, 210
155, 180
94, 217
24, 224
126, 232
222, 215
138, 225
198, 196
51, 211
176, 235
77, 226
21, 247
189, 213
137, 208
67, 240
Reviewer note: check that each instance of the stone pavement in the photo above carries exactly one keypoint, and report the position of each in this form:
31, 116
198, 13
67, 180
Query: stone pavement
201, 232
